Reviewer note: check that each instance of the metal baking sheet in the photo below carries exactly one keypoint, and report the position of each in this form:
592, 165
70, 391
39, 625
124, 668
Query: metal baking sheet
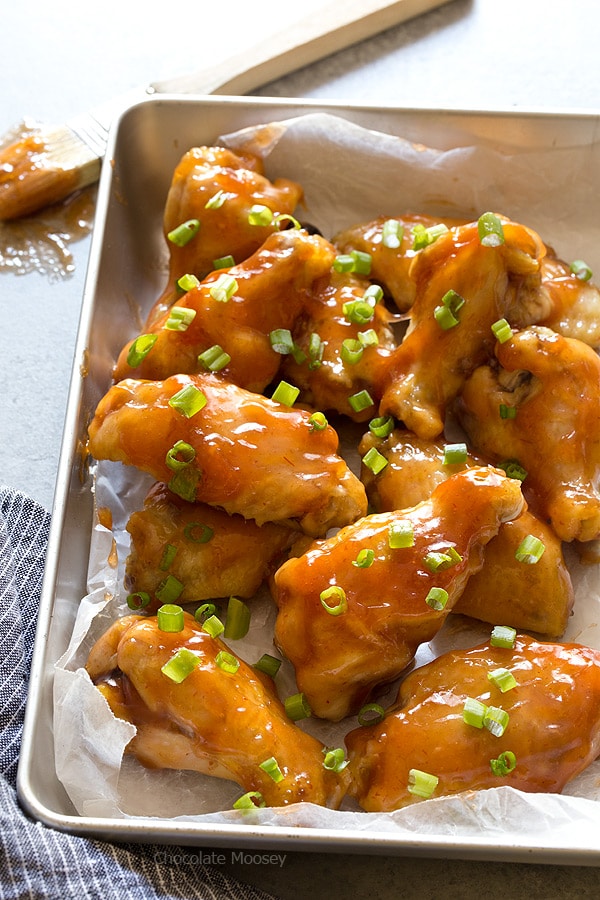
126, 261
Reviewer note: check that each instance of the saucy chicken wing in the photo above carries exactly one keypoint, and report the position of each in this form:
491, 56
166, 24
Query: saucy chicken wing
352, 609
574, 302
209, 553
215, 443
462, 289
223, 719
267, 291
553, 385
546, 733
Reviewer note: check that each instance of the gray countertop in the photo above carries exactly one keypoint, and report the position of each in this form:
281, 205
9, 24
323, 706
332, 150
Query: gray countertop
62, 58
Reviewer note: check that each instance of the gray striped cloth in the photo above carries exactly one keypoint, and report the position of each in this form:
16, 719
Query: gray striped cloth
36, 861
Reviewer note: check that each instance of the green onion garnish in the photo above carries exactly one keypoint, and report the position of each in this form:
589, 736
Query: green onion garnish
359, 312
513, 469
423, 237
188, 401
360, 401
421, 784
237, 622
138, 600
581, 270
504, 764
381, 426
213, 626
140, 349
187, 282
181, 665
507, 412
503, 636
502, 331
336, 594
318, 421
370, 714
445, 318
316, 348
489, 227
401, 535
169, 554
373, 294
356, 261
364, 558
271, 767
368, 338
223, 262
260, 215
227, 661
297, 707
503, 679
184, 233
436, 561
334, 760
204, 612
169, 590
374, 460
217, 200
223, 288
185, 482
285, 393
474, 712
455, 454
495, 720
179, 456
180, 318
198, 533
250, 800
437, 598
391, 234
281, 340
284, 219
268, 664
169, 617
214, 359
530, 550
351, 351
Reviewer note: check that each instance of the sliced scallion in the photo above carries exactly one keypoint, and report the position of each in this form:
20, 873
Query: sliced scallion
281, 340
168, 556
217, 200
333, 600
169, 590
381, 426
204, 612
184, 483
360, 401
503, 679
334, 760
513, 469
285, 393
180, 455
503, 636
356, 261
401, 535
530, 550
271, 767
359, 312
504, 764
250, 800
224, 288
507, 412
268, 664
351, 351
140, 349
474, 712
297, 707
223, 262
179, 319
188, 401
391, 234
581, 270
316, 348
169, 618
364, 558
370, 714
213, 626
421, 784
183, 234
181, 665
260, 215
437, 598
187, 282
227, 661
374, 460
495, 720
490, 230
237, 621
214, 359
318, 421
502, 331
455, 454
138, 600
198, 533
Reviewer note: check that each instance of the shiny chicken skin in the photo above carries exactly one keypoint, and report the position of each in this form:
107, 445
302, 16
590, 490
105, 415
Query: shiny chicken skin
272, 287
429, 367
215, 721
231, 183
553, 725
534, 597
340, 659
210, 553
574, 303
554, 384
241, 452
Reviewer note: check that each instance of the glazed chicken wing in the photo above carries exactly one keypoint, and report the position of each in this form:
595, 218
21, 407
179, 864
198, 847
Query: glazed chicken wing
223, 719
270, 289
209, 553
364, 630
553, 383
239, 451
553, 728
574, 303
429, 367
217, 188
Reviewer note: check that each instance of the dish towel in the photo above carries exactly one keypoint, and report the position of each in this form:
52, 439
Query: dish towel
36, 861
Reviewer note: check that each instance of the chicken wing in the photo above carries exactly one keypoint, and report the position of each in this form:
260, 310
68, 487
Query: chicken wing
240, 451
353, 608
553, 729
448, 338
223, 719
574, 303
269, 290
553, 384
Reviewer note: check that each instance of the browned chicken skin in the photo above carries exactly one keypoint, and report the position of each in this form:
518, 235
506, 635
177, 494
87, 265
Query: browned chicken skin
339, 659
553, 727
554, 384
241, 452
217, 722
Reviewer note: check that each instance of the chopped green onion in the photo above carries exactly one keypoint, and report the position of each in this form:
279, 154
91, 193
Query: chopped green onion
495, 720
250, 800
359, 312
318, 421
140, 349
184, 483
271, 767
188, 401
445, 318
169, 554
513, 469
503, 636
373, 294
169, 590
338, 595
437, 561
504, 764
374, 460
370, 714
204, 612
260, 215
581, 270
437, 598
184, 233
223, 288
489, 227
455, 454
356, 261
423, 237
227, 661
285, 393
237, 622
297, 707
334, 760
530, 550
507, 412
181, 665
316, 348
474, 712
179, 456
217, 200
138, 600
169, 617
360, 401
214, 359
284, 218
213, 626
421, 784
198, 533
391, 234
364, 558
502, 331
381, 426
351, 351
187, 282
281, 340
268, 664
223, 262
503, 679
401, 535
368, 338
180, 318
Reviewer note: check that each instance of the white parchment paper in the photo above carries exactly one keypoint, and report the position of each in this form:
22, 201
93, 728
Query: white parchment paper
349, 175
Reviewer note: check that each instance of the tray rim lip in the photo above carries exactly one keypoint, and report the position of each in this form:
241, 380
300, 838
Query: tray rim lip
168, 831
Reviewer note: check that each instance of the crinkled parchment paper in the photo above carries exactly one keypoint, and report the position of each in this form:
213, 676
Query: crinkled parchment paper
349, 175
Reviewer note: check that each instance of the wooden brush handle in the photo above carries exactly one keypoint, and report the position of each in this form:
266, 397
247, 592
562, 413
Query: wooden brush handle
331, 28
